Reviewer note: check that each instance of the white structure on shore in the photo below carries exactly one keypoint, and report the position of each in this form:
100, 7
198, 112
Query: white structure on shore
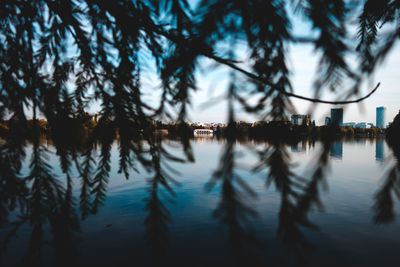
203, 132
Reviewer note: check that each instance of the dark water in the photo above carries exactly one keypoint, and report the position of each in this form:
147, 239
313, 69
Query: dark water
222, 210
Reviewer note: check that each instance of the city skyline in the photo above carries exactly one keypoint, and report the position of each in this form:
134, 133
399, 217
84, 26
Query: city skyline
297, 118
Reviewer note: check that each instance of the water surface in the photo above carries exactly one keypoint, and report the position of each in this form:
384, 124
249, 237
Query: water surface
222, 209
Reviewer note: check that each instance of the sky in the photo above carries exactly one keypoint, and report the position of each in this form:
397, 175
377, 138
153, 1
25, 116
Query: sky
208, 103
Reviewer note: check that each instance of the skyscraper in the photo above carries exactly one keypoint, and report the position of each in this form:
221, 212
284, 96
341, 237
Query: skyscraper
337, 116
380, 117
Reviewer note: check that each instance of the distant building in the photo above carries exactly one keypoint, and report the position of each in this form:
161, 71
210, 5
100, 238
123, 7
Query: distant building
362, 125
380, 117
327, 121
337, 116
298, 119
349, 124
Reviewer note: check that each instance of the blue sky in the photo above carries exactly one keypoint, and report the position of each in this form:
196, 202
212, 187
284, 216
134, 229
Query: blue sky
208, 104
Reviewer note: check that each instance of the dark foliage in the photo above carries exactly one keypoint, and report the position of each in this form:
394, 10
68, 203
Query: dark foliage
390, 189
57, 58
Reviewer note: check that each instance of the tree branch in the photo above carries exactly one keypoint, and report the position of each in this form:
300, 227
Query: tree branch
258, 78
207, 52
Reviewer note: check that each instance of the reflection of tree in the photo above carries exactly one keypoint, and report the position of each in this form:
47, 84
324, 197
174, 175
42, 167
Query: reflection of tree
234, 208
100, 179
298, 194
384, 203
45, 194
156, 224
64, 225
86, 179
158, 215
94, 179
12, 187
47, 202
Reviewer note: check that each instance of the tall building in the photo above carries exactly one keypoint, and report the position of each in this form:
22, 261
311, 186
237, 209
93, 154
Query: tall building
380, 117
337, 116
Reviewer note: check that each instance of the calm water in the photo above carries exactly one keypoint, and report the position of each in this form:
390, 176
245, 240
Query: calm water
234, 217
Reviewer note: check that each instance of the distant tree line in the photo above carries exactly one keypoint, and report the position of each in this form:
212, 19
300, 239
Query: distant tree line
83, 127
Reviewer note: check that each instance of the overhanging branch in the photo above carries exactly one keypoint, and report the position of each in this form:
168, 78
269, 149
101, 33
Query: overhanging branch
207, 52
289, 94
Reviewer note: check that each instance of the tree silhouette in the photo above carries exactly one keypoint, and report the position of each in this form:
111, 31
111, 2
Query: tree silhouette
59, 56
384, 200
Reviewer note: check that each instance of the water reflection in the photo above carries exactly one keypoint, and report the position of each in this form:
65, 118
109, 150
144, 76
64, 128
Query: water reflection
45, 201
380, 150
299, 147
158, 216
337, 150
234, 209
390, 188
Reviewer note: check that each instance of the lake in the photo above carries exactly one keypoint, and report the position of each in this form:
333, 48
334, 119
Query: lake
237, 204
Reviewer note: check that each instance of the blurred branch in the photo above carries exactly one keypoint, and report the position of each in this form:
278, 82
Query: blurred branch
257, 78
